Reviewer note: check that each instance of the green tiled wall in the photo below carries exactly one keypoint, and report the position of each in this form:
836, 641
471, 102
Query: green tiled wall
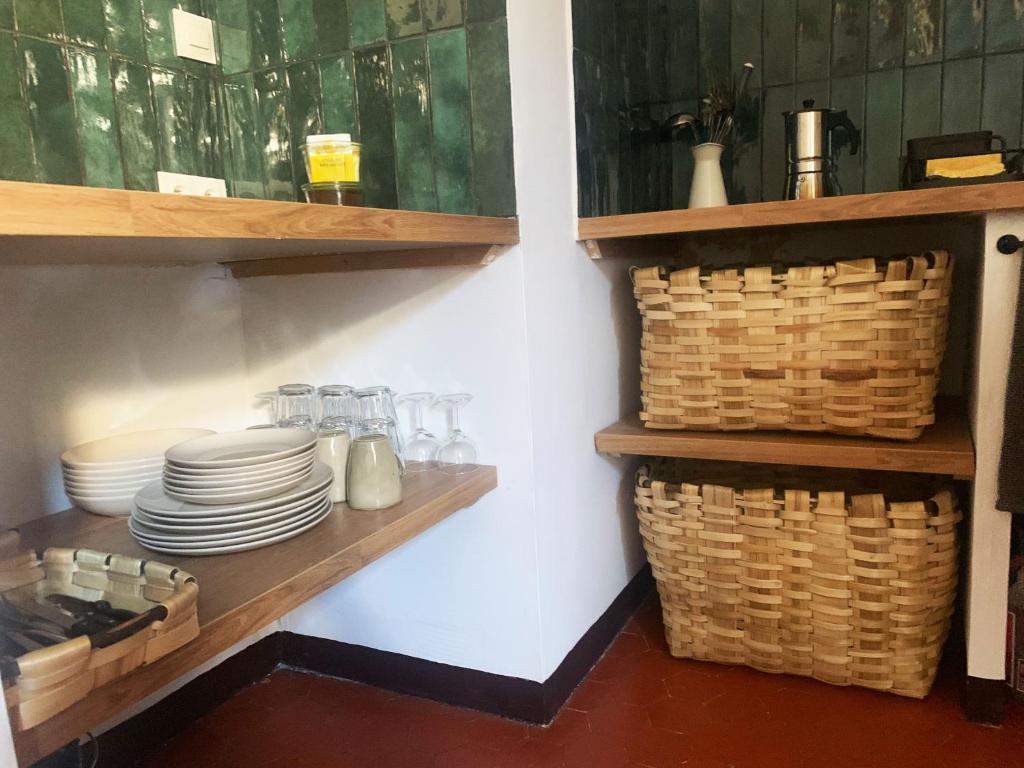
91, 93
901, 68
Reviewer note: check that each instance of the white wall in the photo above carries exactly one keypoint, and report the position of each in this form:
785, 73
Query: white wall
92, 351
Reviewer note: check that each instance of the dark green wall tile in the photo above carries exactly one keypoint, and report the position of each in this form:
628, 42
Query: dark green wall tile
338, 86
6, 14
1001, 106
450, 114
297, 29
159, 33
848, 93
234, 28
173, 108
813, 32
274, 134
683, 51
813, 90
882, 144
773, 138
83, 22
780, 42
331, 20
745, 38
124, 27
1004, 25
411, 97
442, 13
376, 122
924, 31
267, 44
40, 18
490, 99
95, 118
961, 95
885, 33
245, 162
304, 114
209, 129
367, 22
964, 22
136, 123
849, 37
484, 10
921, 89
15, 137
715, 58
404, 17
657, 53
50, 112
744, 165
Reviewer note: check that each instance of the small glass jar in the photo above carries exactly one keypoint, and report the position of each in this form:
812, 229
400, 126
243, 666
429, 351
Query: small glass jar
334, 193
332, 157
374, 475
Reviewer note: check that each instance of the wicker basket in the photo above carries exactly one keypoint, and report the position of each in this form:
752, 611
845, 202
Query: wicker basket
849, 589
853, 347
48, 681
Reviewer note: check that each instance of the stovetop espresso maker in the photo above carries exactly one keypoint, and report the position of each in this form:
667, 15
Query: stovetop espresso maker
814, 137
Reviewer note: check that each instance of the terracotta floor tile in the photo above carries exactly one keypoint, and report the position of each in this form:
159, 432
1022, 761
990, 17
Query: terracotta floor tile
638, 708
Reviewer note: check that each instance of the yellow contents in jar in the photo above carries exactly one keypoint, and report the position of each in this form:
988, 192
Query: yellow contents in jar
332, 160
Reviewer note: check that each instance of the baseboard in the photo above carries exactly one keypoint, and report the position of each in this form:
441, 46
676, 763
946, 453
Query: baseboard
985, 700
135, 739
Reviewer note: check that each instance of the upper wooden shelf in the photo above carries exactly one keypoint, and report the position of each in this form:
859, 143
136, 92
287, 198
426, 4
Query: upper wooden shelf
54, 224
944, 449
880, 206
244, 592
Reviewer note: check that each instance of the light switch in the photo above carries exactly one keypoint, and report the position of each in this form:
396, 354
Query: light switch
193, 36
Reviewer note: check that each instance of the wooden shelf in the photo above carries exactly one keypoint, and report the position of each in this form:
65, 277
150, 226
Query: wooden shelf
242, 593
614, 235
53, 224
945, 448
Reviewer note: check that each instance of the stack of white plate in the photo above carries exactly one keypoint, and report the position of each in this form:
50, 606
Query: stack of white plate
103, 476
233, 492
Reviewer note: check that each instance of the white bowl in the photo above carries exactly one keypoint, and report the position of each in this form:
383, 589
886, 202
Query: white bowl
112, 489
113, 474
127, 450
250, 448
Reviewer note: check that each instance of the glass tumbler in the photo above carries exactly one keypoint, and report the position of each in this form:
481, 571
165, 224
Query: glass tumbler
374, 473
295, 407
378, 404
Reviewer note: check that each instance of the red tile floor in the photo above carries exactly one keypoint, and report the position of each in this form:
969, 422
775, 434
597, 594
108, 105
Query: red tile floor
637, 707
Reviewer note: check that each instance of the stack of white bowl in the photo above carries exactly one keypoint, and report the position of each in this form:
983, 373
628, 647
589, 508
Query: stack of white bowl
103, 476
233, 491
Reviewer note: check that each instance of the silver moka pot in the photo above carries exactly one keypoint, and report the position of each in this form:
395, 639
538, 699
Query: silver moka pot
812, 150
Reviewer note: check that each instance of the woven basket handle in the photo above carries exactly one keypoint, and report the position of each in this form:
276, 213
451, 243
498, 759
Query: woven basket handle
127, 629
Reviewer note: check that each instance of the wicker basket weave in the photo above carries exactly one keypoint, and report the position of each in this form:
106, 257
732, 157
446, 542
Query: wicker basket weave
853, 347
52, 679
849, 589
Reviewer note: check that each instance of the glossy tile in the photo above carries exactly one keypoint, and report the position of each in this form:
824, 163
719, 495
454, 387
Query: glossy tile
159, 33
1004, 25
376, 123
813, 35
95, 118
234, 27
964, 23
267, 37
849, 37
136, 123
209, 128
7, 14
924, 31
882, 130
484, 10
490, 99
848, 93
404, 17
1001, 109
367, 22
172, 103
245, 163
714, 29
304, 114
411, 97
683, 51
780, 42
45, 82
442, 13
773, 138
885, 33
40, 18
745, 38
84, 23
124, 28
330, 19
297, 26
920, 105
274, 133
15, 135
961, 95
338, 86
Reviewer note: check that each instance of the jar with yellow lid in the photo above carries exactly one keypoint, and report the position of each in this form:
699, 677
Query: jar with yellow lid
332, 157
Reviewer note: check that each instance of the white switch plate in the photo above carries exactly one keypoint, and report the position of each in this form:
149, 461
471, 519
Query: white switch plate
183, 184
193, 36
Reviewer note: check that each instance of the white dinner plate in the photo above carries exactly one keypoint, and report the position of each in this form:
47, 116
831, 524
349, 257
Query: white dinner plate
217, 538
230, 519
268, 466
222, 550
153, 499
127, 450
233, 495
248, 448
240, 479
227, 523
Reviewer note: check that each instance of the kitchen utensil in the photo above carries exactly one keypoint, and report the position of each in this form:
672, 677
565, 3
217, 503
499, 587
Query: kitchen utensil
421, 447
458, 454
81, 607
814, 137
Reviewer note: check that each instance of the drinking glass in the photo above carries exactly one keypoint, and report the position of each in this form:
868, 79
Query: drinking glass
421, 446
458, 454
295, 406
337, 407
378, 404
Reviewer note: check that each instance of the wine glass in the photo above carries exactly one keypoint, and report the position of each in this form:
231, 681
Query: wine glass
458, 454
421, 446
295, 406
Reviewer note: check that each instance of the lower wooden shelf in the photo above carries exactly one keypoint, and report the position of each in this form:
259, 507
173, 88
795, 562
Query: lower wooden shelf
240, 594
945, 448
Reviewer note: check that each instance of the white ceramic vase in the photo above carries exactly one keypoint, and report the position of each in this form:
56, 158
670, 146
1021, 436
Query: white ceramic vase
707, 189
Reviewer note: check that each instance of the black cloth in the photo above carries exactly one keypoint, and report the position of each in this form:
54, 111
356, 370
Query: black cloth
1011, 461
